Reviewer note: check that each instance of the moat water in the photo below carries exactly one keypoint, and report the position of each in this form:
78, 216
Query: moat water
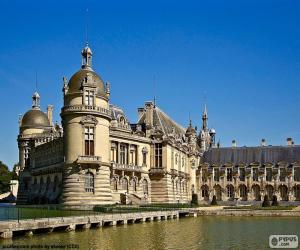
185, 233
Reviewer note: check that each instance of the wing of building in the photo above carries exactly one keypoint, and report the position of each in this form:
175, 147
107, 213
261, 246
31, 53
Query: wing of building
97, 156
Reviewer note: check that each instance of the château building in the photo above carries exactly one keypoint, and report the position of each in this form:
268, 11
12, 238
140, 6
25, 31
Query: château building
96, 156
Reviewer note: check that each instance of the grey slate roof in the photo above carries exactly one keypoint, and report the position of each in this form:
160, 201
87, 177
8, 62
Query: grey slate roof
116, 112
248, 155
162, 121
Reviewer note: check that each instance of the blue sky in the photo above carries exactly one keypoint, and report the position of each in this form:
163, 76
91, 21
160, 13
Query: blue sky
242, 55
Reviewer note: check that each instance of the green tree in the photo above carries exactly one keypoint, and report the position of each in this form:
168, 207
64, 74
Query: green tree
5, 177
14, 174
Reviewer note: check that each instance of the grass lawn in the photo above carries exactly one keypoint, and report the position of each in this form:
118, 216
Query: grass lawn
261, 208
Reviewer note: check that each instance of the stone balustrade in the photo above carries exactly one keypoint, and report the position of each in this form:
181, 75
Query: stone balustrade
87, 108
89, 159
126, 167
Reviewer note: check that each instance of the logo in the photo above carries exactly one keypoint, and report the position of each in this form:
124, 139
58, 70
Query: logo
283, 241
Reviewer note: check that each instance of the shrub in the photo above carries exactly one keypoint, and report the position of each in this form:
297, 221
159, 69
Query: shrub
194, 199
266, 202
274, 201
214, 201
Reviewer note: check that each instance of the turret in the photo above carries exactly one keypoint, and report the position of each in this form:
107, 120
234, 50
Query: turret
86, 119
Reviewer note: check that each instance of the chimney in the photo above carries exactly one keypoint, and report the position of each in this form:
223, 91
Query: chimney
263, 142
149, 114
289, 141
50, 114
234, 144
141, 111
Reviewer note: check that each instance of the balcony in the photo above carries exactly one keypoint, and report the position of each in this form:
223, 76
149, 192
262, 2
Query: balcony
157, 171
174, 172
125, 167
87, 159
86, 108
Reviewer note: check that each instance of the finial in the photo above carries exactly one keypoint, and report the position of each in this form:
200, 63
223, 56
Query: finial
190, 119
154, 97
87, 28
36, 81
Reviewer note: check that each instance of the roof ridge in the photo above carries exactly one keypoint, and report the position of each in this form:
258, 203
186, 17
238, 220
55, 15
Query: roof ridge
177, 124
160, 121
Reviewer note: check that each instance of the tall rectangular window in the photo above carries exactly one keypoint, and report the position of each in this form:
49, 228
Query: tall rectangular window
89, 97
204, 175
123, 150
89, 140
255, 174
242, 174
297, 174
229, 174
144, 158
158, 155
282, 174
216, 174
269, 174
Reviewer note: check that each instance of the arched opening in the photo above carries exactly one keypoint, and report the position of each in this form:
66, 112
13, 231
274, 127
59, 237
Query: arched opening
89, 182
204, 192
115, 184
269, 191
256, 192
218, 192
283, 190
230, 192
243, 192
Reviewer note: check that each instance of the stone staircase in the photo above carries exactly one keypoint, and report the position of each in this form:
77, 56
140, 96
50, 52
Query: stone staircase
135, 199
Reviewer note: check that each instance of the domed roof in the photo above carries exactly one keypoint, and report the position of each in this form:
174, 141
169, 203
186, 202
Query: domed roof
86, 74
35, 118
190, 130
212, 131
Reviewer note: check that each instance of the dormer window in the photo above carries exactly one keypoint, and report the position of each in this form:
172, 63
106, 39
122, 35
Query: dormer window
89, 97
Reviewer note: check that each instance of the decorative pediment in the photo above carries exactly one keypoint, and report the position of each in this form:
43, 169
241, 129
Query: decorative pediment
89, 119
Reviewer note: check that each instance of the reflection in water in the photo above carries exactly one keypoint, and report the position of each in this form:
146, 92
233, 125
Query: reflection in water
186, 233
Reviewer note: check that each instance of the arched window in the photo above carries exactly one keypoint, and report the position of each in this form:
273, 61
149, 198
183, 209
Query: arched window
204, 192
41, 184
256, 192
55, 183
48, 183
145, 186
125, 184
89, 182
283, 190
243, 192
115, 184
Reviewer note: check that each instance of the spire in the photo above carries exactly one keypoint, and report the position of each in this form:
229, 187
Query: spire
204, 119
36, 97
86, 54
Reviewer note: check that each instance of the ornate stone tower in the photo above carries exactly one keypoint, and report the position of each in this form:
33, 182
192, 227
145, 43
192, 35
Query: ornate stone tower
34, 126
86, 119
206, 137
